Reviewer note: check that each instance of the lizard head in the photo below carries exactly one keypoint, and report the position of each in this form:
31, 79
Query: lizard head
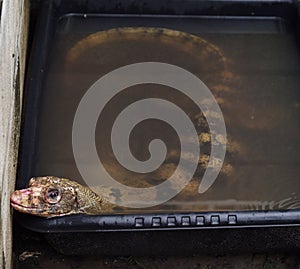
53, 196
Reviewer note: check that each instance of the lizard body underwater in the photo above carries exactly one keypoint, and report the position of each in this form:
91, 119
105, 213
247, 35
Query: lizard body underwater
52, 196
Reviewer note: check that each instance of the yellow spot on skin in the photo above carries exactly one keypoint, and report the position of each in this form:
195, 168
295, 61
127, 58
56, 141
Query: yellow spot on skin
227, 169
203, 160
221, 88
221, 139
215, 163
233, 146
220, 100
204, 138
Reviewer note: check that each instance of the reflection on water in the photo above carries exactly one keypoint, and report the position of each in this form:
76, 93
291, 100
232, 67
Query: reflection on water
254, 77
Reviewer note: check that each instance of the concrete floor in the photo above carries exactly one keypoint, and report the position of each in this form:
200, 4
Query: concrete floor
32, 251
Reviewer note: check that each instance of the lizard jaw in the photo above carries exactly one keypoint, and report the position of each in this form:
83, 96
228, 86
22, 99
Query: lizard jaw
24, 209
20, 200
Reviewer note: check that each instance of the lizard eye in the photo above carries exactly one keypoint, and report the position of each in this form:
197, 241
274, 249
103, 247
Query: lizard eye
53, 196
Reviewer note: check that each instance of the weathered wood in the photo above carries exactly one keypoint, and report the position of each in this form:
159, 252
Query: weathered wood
13, 43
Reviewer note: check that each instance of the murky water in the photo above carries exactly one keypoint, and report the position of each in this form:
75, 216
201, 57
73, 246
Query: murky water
257, 90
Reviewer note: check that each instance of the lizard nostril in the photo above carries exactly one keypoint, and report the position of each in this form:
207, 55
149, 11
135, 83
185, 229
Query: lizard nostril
15, 197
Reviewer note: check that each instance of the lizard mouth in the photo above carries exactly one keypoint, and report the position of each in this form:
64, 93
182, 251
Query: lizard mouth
23, 208
17, 205
26, 209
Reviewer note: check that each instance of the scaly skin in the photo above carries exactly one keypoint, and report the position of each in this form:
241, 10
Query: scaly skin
53, 196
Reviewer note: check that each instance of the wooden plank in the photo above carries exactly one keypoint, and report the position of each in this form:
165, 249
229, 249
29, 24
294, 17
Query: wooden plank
13, 43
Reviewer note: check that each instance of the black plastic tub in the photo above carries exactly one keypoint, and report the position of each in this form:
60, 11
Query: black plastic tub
254, 204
